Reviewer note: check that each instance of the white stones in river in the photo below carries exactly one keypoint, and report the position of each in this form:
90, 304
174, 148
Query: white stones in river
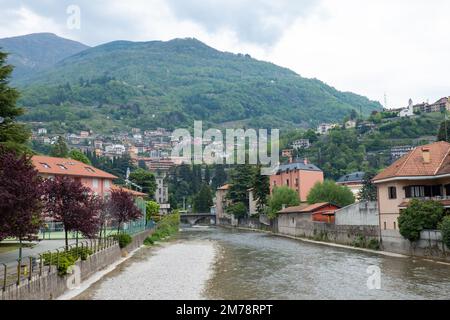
178, 271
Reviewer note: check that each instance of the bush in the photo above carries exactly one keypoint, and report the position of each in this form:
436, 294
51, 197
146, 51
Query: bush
282, 196
66, 259
123, 239
419, 215
329, 191
444, 226
361, 242
168, 226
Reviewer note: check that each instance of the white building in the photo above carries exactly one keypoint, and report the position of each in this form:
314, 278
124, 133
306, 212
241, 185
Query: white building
115, 149
301, 144
323, 128
407, 112
42, 131
162, 194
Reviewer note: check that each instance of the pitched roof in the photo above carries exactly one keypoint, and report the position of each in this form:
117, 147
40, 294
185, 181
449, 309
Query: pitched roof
352, 177
306, 208
132, 192
297, 166
224, 187
67, 167
413, 164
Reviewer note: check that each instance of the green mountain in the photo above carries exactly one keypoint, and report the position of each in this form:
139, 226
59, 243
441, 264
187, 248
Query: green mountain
37, 52
149, 84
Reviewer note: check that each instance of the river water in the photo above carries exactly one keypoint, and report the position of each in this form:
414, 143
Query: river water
215, 263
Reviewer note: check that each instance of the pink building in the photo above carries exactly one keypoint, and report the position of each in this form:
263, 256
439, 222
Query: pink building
300, 176
100, 182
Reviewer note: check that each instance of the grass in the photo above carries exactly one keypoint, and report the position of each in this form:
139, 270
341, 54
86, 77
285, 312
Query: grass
168, 226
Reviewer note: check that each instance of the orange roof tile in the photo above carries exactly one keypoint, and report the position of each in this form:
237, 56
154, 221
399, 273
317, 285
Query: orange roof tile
413, 164
132, 192
305, 208
67, 167
224, 187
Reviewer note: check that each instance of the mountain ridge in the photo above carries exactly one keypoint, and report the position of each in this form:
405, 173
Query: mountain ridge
144, 84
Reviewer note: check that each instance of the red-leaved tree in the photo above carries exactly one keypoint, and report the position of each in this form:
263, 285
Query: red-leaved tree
20, 193
122, 207
66, 200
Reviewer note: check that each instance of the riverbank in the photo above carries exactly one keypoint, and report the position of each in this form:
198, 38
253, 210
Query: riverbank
155, 273
336, 245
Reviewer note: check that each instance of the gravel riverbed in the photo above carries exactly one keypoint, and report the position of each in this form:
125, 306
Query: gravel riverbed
157, 274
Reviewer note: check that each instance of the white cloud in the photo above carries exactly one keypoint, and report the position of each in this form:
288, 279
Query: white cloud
369, 47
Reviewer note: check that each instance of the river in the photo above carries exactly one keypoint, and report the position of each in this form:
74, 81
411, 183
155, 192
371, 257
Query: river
215, 263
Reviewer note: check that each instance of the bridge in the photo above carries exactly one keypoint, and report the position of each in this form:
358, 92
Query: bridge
197, 218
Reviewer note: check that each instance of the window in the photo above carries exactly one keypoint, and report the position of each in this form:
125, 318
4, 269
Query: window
392, 193
395, 225
62, 166
423, 191
45, 165
95, 183
106, 184
296, 182
287, 182
385, 225
90, 170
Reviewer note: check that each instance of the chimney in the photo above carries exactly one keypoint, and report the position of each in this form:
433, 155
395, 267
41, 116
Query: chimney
305, 161
283, 206
426, 155
290, 159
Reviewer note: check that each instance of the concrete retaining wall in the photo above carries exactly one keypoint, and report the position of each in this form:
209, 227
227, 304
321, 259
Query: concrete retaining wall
50, 285
430, 244
359, 214
300, 225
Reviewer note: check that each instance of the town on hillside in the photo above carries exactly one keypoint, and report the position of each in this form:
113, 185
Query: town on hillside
144, 156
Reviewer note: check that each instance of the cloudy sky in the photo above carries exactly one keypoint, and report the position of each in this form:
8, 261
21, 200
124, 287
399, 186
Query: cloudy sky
400, 48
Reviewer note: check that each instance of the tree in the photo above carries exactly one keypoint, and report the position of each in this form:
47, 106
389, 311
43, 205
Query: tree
282, 196
444, 226
238, 210
66, 200
203, 201
220, 176
60, 149
20, 193
261, 190
369, 190
418, 216
146, 180
329, 191
122, 207
444, 131
12, 135
152, 209
241, 181
79, 156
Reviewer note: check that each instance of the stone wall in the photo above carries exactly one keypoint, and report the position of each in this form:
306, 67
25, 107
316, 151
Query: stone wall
50, 286
300, 225
430, 244
359, 214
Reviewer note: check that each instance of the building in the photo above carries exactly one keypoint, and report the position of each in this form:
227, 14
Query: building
323, 128
287, 153
222, 203
399, 151
42, 131
408, 111
354, 181
100, 182
424, 173
162, 194
299, 176
301, 144
439, 106
350, 124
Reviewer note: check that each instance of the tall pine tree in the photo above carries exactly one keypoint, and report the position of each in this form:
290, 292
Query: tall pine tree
12, 135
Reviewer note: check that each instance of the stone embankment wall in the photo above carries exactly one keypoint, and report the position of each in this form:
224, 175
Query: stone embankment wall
429, 246
50, 285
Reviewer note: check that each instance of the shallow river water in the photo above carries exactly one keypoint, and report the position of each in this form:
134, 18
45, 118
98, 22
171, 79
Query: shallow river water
215, 263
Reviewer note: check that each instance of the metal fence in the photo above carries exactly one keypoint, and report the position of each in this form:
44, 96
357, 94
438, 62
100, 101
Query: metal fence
31, 267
